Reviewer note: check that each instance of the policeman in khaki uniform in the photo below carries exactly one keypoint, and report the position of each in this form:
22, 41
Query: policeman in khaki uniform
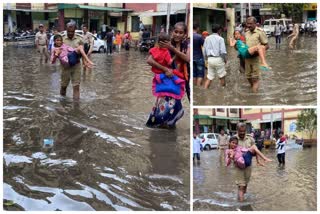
71, 73
243, 175
254, 36
42, 43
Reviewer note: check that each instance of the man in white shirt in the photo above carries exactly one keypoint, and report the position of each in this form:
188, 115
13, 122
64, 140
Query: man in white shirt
196, 147
215, 51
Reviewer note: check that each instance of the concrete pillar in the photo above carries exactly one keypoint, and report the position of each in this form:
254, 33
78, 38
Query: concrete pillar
230, 16
61, 20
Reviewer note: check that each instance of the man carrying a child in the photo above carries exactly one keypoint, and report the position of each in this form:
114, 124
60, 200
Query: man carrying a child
243, 175
71, 73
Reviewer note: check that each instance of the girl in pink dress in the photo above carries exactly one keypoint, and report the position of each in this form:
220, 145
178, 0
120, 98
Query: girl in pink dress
67, 55
242, 157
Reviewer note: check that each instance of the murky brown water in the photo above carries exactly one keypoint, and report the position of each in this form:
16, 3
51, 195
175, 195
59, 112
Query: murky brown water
292, 80
271, 188
104, 157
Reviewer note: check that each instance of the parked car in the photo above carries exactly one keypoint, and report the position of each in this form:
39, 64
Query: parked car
209, 140
99, 45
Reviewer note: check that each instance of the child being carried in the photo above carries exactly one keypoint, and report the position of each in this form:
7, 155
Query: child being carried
246, 52
167, 83
242, 157
67, 55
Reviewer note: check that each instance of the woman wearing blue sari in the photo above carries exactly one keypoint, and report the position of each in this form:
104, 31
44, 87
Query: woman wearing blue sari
167, 109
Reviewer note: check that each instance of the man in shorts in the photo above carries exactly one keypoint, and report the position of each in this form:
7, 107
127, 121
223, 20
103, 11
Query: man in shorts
71, 73
42, 43
198, 60
215, 51
254, 36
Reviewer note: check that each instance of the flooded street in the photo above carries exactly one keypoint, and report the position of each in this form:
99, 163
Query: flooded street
270, 188
292, 80
104, 157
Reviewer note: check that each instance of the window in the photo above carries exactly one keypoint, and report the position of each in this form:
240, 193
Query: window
135, 23
234, 111
220, 109
210, 136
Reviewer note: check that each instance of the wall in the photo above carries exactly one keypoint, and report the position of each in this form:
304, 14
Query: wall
205, 5
114, 5
174, 7
73, 13
292, 114
37, 6
139, 7
303, 135
205, 111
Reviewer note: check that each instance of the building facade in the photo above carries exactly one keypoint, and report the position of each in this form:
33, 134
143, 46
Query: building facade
282, 119
207, 14
208, 120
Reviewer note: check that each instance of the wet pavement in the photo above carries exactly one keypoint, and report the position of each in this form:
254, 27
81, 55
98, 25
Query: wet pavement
292, 80
271, 188
104, 157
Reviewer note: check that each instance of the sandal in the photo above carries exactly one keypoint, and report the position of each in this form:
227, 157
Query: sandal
264, 68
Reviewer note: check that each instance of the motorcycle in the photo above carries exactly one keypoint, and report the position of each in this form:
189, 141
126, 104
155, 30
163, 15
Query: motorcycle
146, 44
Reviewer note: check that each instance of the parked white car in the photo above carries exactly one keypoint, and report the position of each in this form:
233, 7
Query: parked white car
99, 45
209, 140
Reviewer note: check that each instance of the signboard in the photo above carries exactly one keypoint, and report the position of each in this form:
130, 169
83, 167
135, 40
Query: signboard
293, 127
275, 116
95, 14
312, 6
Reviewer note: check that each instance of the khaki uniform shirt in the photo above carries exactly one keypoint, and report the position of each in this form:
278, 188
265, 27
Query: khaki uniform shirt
41, 38
256, 37
247, 142
223, 141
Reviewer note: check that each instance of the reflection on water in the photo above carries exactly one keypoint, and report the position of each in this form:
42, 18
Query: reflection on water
270, 188
103, 158
292, 80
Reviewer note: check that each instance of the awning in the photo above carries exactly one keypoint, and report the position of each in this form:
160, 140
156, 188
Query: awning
201, 116
206, 8
225, 118
217, 117
33, 11
89, 7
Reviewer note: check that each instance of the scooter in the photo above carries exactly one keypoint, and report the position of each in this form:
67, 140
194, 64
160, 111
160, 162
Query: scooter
146, 45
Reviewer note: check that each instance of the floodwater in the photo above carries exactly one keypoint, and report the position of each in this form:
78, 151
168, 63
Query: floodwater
271, 188
104, 157
291, 81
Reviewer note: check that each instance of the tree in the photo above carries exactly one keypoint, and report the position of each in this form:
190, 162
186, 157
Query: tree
291, 10
307, 121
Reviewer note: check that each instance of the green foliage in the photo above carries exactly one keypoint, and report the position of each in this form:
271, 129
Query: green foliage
307, 121
221, 5
291, 10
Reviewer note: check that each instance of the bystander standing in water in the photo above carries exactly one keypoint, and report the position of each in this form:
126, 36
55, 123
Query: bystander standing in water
42, 43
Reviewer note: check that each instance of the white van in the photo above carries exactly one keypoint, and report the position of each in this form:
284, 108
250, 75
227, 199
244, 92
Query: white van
269, 24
